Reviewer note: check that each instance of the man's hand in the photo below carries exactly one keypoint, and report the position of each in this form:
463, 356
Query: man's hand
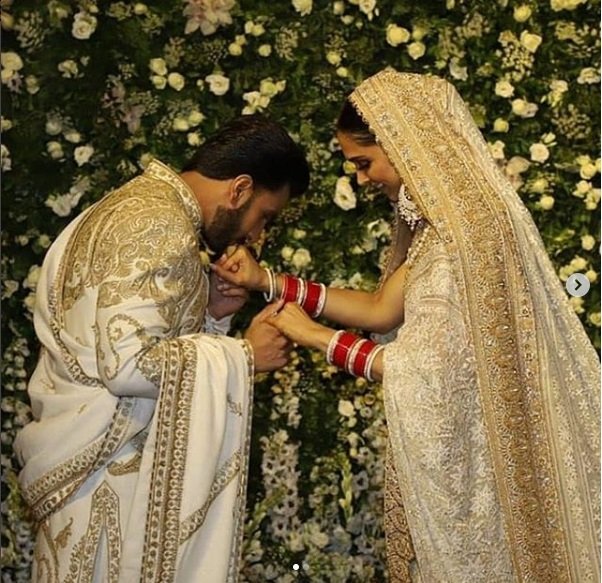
271, 348
226, 302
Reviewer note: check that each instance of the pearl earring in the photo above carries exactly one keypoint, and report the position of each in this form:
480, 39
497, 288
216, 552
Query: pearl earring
407, 209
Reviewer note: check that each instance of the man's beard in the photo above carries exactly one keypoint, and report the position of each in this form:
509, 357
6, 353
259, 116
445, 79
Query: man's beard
225, 229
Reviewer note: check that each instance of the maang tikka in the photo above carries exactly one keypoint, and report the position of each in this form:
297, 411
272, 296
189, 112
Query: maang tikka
407, 209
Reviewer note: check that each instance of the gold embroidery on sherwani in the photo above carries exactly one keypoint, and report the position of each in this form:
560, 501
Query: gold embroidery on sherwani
222, 478
512, 303
104, 520
163, 515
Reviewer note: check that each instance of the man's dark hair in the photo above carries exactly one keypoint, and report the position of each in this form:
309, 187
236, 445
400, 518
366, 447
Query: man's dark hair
351, 122
257, 146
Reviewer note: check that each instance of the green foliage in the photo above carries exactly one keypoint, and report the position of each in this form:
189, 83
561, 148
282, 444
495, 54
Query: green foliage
83, 115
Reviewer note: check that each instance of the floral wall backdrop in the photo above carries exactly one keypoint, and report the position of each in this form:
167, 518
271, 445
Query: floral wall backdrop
92, 90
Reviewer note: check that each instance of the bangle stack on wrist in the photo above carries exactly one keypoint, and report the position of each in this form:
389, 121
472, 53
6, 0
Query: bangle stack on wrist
354, 354
311, 296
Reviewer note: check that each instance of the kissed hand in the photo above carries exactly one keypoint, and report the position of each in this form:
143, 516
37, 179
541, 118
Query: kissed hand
241, 269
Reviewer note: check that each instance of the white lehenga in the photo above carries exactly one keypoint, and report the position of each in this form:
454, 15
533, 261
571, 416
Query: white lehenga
491, 385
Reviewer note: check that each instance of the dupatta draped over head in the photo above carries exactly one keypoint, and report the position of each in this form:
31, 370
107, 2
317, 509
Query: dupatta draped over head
537, 372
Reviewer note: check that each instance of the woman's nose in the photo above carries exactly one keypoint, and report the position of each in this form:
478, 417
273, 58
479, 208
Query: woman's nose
362, 178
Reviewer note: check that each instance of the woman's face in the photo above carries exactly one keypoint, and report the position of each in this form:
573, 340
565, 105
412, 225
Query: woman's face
371, 165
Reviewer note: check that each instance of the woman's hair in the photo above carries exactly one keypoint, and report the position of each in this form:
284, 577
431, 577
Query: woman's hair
350, 122
257, 146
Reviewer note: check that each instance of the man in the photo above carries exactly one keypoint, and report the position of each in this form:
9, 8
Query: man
135, 465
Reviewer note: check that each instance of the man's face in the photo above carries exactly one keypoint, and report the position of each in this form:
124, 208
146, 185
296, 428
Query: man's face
246, 223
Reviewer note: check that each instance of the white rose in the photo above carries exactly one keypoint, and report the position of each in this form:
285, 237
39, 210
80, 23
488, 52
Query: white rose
338, 7
264, 50
588, 242
397, 35
54, 126
342, 72
583, 187
596, 319
539, 186
517, 165
539, 152
344, 197
299, 234
589, 76
31, 84
419, 32
140, 9
530, 41
195, 118
159, 81
334, 58
591, 275
346, 408
416, 50
68, 68
578, 263
268, 87
303, 7
577, 304
82, 154
158, 66
11, 61
522, 13
176, 81
546, 202
501, 125
504, 88
457, 71
558, 5
193, 139
257, 30
523, 108
367, 7
5, 161
84, 25
33, 276
287, 253
44, 241
5, 124
588, 171
218, 84
592, 198
497, 149
73, 136
301, 258
55, 150
235, 49
180, 124
30, 302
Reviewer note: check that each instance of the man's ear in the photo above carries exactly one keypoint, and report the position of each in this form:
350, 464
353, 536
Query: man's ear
241, 190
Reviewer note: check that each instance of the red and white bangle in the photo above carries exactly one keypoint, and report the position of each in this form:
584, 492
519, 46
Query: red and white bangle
354, 354
311, 296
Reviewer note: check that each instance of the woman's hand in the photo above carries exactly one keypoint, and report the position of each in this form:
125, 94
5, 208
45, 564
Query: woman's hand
294, 323
241, 269
225, 302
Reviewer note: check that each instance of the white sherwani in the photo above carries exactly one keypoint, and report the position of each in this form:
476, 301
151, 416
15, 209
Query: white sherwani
135, 465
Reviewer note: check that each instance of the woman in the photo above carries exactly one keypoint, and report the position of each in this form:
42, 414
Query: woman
491, 384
